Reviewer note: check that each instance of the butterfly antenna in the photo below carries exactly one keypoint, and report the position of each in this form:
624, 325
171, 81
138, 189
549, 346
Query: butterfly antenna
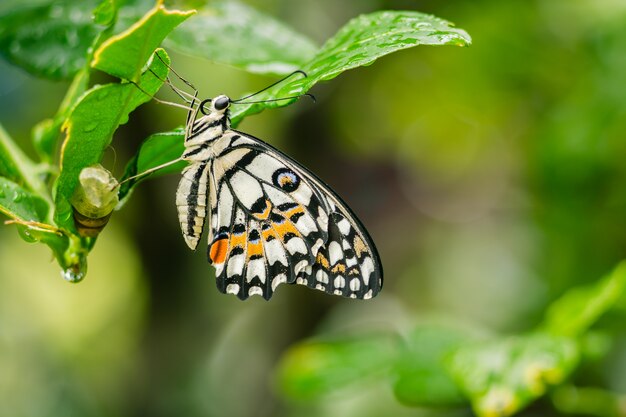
151, 170
158, 100
272, 85
311, 96
173, 71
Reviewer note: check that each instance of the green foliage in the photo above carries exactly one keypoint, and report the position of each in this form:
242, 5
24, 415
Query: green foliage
124, 55
90, 128
41, 39
444, 367
233, 33
574, 172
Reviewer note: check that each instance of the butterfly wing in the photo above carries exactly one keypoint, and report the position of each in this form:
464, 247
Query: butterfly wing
273, 222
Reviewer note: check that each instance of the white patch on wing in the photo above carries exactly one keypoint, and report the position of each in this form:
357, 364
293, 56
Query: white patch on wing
300, 266
274, 252
232, 289
367, 268
256, 267
278, 279
335, 252
344, 226
235, 265
321, 276
254, 290
339, 282
296, 245
247, 189
355, 284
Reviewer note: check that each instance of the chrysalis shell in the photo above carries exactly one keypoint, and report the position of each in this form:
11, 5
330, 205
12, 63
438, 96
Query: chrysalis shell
94, 199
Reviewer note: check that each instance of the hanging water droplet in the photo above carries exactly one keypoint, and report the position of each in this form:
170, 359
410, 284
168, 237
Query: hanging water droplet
26, 234
75, 273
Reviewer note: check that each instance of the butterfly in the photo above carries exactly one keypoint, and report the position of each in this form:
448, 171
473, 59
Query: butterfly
271, 221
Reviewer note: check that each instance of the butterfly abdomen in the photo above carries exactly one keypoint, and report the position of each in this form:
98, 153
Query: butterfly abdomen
191, 201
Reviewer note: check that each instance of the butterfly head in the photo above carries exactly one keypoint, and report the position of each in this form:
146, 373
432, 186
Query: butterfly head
214, 105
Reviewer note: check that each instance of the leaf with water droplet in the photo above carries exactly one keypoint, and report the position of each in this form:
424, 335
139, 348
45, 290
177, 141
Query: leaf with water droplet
106, 107
124, 55
242, 37
19, 204
36, 37
359, 43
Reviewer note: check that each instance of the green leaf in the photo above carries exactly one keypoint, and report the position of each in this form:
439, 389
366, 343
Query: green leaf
312, 370
43, 40
17, 167
106, 13
124, 55
29, 212
46, 133
233, 33
158, 149
20, 204
360, 42
503, 376
422, 379
90, 128
579, 308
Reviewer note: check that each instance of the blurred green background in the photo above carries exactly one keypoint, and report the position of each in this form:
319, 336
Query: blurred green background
492, 179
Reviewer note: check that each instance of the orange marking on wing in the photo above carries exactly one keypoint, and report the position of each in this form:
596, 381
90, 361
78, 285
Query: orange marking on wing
284, 228
267, 233
354, 271
359, 247
238, 240
321, 259
254, 249
266, 212
339, 269
218, 251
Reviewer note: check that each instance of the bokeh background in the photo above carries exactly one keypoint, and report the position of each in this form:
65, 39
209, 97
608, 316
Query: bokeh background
492, 179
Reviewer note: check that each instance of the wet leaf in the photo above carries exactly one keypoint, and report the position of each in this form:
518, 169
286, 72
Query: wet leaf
44, 40
124, 55
233, 33
90, 128
360, 42
20, 204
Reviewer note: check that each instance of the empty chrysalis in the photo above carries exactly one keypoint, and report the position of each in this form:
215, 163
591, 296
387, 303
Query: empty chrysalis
94, 199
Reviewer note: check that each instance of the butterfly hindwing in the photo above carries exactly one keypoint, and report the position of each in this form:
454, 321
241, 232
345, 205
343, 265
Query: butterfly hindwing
274, 222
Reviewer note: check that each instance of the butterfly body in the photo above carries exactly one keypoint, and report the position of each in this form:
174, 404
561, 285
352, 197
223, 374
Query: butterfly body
271, 220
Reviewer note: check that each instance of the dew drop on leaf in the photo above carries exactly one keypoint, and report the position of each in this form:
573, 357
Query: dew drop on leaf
18, 197
90, 127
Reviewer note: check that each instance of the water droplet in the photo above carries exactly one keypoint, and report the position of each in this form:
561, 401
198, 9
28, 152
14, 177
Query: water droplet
90, 127
26, 235
74, 273
2, 195
18, 197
